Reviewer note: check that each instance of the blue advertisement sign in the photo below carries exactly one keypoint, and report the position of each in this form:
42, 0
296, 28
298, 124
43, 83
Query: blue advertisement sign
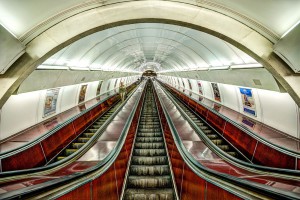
248, 101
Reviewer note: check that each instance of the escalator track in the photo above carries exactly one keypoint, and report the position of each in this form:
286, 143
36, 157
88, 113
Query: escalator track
149, 175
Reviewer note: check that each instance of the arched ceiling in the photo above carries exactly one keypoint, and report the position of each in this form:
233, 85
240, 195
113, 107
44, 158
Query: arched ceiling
142, 46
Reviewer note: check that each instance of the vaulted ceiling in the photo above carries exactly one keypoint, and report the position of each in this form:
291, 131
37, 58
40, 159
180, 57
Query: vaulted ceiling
138, 47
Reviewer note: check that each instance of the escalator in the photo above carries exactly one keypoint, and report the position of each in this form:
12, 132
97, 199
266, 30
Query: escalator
149, 175
84, 137
210, 133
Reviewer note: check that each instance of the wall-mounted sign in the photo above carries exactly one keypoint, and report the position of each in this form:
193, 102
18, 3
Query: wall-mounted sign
216, 92
82, 93
50, 102
248, 101
249, 123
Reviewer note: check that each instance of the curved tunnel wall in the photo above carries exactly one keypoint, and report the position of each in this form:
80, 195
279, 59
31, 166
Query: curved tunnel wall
274, 109
25, 110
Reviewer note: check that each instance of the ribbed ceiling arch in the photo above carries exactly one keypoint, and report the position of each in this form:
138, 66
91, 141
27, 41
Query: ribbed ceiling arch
129, 47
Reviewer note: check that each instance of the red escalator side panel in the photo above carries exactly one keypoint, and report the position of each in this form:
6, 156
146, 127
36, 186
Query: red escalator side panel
26, 159
217, 122
57, 141
104, 187
242, 141
214, 192
193, 187
271, 157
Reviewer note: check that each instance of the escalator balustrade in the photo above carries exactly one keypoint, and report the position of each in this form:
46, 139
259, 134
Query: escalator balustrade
149, 174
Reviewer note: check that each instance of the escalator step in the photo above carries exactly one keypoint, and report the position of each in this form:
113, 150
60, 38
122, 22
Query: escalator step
83, 139
207, 131
217, 141
154, 160
70, 151
92, 130
88, 134
156, 170
149, 134
149, 139
232, 153
96, 126
212, 136
157, 145
77, 145
224, 147
60, 158
149, 152
149, 182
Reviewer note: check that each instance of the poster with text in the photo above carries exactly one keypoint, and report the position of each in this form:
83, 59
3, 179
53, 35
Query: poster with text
190, 86
82, 93
50, 101
216, 92
248, 101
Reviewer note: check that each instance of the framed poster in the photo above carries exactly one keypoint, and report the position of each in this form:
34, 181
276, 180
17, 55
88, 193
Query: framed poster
190, 86
248, 101
50, 101
82, 93
216, 92
200, 90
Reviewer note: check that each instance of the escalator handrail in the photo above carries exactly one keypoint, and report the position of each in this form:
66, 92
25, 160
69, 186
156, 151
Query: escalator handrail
229, 158
102, 165
196, 167
249, 132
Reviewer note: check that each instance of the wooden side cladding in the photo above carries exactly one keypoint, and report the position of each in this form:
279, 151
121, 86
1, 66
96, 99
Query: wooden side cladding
254, 150
109, 185
189, 185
